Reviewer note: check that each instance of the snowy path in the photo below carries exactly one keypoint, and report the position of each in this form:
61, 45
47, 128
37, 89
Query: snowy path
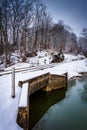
30, 69
9, 106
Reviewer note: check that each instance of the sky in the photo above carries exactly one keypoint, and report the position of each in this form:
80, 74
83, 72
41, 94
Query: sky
72, 12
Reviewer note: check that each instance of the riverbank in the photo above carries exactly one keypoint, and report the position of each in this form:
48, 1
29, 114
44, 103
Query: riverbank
79, 76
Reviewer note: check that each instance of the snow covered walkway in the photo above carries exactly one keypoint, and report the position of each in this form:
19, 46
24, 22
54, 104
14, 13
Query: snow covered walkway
8, 105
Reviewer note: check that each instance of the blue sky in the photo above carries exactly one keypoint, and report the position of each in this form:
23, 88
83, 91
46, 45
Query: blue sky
72, 12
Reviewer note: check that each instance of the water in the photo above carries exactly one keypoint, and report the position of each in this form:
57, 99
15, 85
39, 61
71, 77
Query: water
64, 109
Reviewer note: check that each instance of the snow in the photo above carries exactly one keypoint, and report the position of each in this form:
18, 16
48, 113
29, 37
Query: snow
70, 57
24, 95
72, 68
18, 66
9, 106
42, 58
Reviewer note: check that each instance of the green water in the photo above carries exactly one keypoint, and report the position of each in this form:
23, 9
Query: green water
64, 109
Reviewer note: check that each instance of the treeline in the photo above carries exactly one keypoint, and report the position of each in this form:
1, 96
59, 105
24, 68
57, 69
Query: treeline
26, 25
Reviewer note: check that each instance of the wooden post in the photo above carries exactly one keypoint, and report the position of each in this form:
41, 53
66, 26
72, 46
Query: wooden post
28, 103
38, 61
66, 78
4, 60
13, 83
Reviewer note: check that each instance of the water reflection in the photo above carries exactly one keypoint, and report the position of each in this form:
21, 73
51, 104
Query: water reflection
64, 110
70, 85
84, 91
40, 102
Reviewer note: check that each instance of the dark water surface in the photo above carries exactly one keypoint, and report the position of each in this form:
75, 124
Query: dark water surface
64, 109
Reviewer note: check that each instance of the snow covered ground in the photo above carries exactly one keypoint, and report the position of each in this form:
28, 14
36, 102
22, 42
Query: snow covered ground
43, 57
70, 57
9, 106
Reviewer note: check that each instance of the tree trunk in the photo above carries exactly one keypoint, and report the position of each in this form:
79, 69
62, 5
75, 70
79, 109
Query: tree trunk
14, 35
35, 43
13, 83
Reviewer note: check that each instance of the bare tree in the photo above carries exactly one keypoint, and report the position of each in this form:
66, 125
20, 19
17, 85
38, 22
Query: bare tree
39, 12
59, 36
71, 45
5, 23
47, 31
84, 32
26, 22
82, 43
1, 41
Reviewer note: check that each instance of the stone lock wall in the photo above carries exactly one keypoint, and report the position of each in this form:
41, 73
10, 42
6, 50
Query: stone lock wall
56, 82
38, 83
22, 118
46, 82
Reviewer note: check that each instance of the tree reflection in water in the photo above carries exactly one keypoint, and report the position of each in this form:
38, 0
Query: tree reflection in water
40, 102
69, 111
84, 92
70, 85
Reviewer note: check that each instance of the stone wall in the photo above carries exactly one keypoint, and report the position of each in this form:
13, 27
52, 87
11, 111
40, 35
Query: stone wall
38, 83
56, 82
46, 82
22, 117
